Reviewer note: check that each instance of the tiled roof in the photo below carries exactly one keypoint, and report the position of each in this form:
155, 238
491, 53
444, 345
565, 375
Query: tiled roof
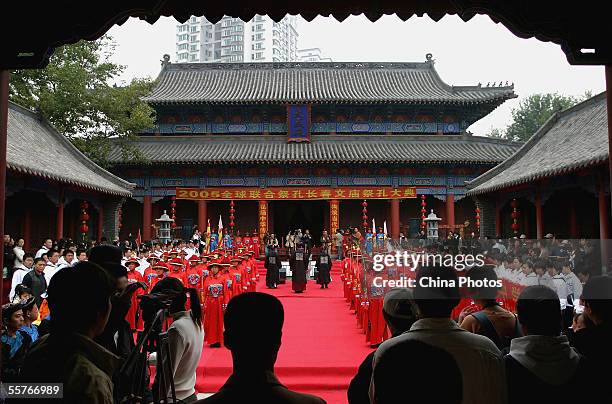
315, 82
36, 148
570, 140
324, 149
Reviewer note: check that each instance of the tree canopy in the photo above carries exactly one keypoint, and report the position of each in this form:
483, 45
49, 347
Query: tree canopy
79, 95
533, 112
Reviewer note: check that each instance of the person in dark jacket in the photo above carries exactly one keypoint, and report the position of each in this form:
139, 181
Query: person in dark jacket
542, 367
399, 313
36, 281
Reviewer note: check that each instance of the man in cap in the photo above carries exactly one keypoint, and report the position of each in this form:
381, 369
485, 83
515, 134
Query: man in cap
215, 300
134, 316
399, 313
176, 270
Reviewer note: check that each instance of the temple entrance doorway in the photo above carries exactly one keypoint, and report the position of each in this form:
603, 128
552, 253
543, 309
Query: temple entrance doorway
293, 215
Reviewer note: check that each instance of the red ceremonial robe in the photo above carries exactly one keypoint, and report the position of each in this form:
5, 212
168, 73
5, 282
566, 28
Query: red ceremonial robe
133, 277
215, 294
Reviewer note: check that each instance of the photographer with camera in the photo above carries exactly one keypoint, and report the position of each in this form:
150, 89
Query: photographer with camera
185, 337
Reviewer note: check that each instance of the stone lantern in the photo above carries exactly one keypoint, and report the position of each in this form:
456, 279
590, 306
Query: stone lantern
165, 223
432, 226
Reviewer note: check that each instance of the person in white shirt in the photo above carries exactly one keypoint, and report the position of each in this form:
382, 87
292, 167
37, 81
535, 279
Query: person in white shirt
47, 244
573, 283
67, 260
558, 283
52, 266
185, 337
20, 272
436, 294
18, 251
530, 279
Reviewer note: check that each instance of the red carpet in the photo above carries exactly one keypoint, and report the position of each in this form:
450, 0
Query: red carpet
322, 344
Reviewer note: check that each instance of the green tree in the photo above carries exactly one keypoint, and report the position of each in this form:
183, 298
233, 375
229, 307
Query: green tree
534, 111
78, 94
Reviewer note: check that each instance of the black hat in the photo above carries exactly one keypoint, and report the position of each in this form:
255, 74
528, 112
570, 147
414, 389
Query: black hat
9, 309
108, 257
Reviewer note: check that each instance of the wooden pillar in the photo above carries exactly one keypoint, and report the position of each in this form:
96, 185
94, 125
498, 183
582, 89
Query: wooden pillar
450, 211
604, 234
609, 106
4, 87
100, 224
59, 228
395, 219
498, 220
202, 216
146, 217
27, 221
539, 217
573, 219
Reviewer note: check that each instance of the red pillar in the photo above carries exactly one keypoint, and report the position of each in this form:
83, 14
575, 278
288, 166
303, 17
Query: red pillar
146, 218
4, 85
539, 218
202, 216
100, 223
395, 219
450, 211
609, 105
603, 224
59, 233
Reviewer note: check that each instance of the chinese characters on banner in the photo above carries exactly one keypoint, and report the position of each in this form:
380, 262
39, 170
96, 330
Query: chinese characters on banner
263, 218
298, 123
302, 193
334, 218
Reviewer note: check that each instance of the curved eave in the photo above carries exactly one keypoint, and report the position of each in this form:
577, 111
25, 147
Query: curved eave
294, 161
569, 169
41, 174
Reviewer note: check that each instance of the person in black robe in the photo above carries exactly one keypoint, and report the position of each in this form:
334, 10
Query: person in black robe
272, 265
298, 269
323, 268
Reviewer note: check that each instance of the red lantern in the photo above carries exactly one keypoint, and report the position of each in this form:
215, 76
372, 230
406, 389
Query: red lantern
84, 228
83, 217
231, 224
364, 204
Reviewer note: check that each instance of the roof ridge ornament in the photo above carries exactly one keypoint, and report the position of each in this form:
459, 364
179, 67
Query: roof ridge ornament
165, 60
429, 59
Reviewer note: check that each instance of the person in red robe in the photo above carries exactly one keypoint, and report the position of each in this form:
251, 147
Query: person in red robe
215, 301
161, 270
228, 278
251, 272
255, 242
236, 274
176, 270
149, 273
238, 241
134, 316
193, 275
246, 240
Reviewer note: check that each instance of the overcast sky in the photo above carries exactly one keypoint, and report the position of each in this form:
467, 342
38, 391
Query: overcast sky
466, 53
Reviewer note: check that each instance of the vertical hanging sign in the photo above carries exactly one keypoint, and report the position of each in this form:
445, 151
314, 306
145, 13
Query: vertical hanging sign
334, 217
298, 123
263, 218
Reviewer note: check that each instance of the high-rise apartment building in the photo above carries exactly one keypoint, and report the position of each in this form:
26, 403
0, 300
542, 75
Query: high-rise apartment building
311, 55
233, 40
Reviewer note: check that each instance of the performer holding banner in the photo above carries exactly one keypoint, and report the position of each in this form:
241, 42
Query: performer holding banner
298, 269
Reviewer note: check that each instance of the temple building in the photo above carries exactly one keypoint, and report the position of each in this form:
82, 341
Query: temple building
304, 145
557, 183
52, 189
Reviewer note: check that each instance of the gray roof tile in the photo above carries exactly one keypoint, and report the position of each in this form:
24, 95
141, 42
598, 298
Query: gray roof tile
324, 149
318, 82
36, 148
570, 140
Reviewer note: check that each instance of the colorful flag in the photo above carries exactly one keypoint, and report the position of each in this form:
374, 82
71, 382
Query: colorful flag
374, 227
385, 228
220, 230
207, 237
138, 240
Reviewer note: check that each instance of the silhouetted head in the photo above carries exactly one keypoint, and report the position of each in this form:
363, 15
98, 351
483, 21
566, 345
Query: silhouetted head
253, 329
437, 291
597, 299
539, 311
430, 368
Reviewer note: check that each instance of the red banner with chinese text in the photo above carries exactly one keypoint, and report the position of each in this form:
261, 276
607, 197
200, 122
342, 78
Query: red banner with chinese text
302, 193
334, 217
263, 218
